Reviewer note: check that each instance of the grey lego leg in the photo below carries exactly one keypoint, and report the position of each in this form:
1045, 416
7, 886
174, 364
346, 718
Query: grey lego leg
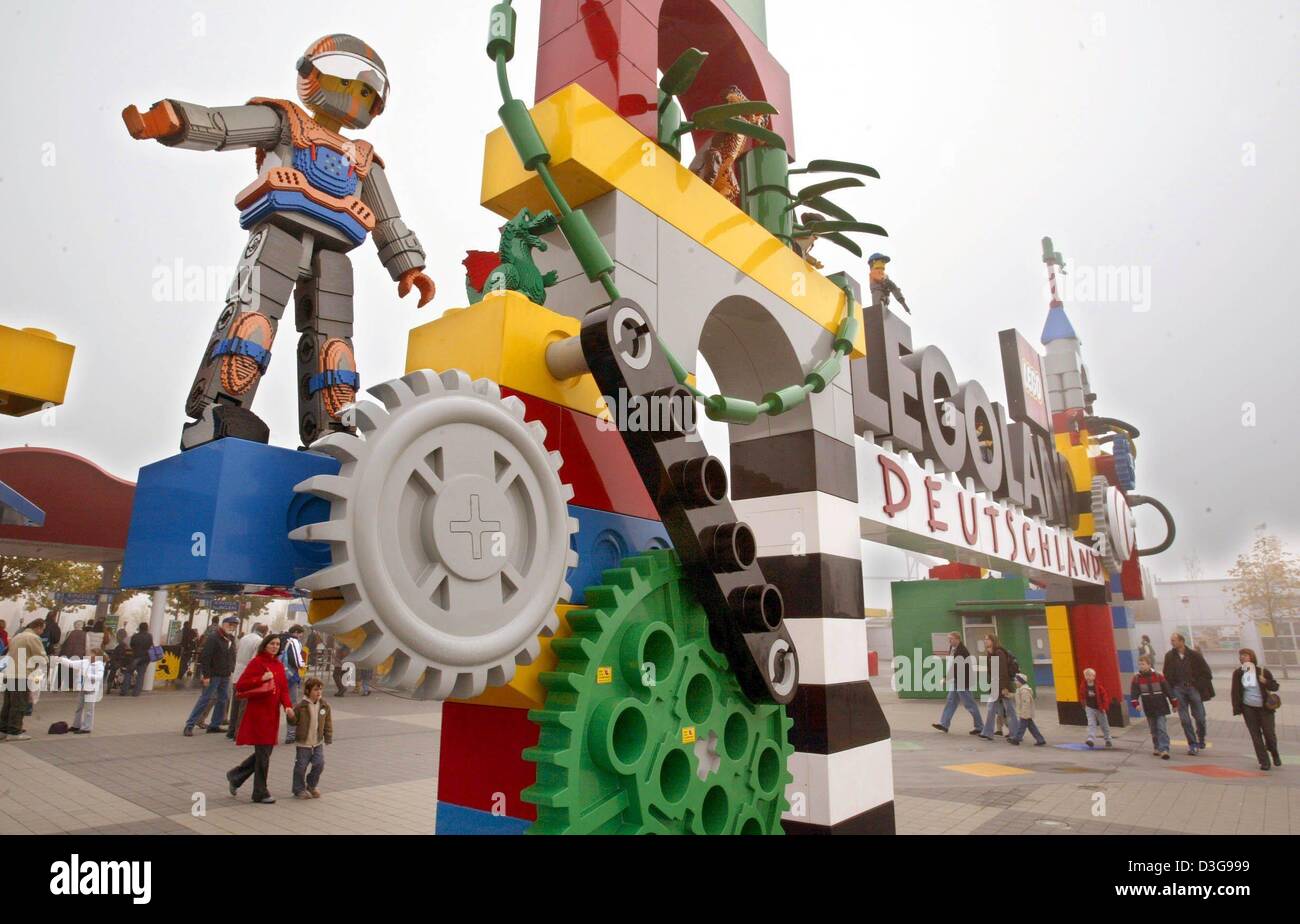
326, 361
225, 385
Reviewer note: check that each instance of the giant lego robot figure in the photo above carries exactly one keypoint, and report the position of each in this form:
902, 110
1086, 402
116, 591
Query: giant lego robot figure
316, 197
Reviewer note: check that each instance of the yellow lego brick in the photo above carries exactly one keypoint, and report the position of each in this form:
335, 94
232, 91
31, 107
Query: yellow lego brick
1058, 637
525, 691
321, 607
987, 769
1087, 526
593, 150
34, 369
503, 338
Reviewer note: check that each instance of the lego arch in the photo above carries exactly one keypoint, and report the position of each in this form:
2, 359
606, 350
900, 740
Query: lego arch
750, 355
616, 49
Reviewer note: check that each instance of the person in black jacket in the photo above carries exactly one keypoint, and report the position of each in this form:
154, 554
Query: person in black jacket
216, 664
1192, 682
1251, 685
960, 668
1000, 668
138, 660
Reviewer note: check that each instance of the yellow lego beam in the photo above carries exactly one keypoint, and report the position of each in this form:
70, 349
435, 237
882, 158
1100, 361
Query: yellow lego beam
593, 151
34, 369
504, 338
1058, 639
1082, 468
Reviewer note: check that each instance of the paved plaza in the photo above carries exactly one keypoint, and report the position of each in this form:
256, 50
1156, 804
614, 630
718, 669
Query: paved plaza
136, 774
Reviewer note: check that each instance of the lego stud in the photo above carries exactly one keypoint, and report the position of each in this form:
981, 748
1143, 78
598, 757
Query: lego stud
759, 606
730, 547
701, 482
672, 412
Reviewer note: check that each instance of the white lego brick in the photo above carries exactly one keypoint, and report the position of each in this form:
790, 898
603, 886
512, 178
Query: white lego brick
830, 788
830, 650
812, 520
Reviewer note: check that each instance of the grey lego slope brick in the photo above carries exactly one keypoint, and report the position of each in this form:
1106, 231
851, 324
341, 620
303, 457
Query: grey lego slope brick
625, 227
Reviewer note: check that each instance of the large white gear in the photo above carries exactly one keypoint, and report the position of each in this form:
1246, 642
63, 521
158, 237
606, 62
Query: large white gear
449, 533
1112, 524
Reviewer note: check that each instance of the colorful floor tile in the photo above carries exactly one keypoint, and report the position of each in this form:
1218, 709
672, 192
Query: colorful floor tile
898, 745
1078, 746
1220, 773
987, 769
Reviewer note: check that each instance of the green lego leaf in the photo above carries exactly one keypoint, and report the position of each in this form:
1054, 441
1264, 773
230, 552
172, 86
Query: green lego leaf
749, 130
837, 166
819, 189
836, 238
710, 116
679, 78
862, 227
830, 208
771, 188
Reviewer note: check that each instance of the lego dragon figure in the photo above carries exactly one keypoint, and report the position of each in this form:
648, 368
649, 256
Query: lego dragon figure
716, 162
512, 266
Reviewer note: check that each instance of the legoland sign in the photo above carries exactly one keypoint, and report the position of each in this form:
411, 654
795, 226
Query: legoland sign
1020, 506
903, 505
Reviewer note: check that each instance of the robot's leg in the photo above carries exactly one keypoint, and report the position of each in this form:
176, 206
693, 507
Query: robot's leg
327, 367
240, 348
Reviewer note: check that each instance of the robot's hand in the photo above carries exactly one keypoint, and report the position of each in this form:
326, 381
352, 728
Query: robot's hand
415, 277
161, 121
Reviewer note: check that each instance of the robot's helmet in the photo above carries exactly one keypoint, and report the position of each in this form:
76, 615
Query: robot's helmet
344, 57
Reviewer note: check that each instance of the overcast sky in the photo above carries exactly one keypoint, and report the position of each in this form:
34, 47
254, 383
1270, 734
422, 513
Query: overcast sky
1158, 137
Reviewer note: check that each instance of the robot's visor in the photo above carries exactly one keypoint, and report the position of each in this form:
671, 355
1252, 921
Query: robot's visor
353, 67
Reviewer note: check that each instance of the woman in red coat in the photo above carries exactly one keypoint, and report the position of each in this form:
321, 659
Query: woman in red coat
260, 724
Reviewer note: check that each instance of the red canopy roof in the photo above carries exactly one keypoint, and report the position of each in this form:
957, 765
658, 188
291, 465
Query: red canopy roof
87, 510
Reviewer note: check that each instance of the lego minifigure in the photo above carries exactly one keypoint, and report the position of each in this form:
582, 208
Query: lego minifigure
803, 244
317, 196
882, 287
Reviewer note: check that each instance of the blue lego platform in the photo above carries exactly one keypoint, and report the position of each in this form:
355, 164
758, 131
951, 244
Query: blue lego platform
605, 539
457, 819
221, 514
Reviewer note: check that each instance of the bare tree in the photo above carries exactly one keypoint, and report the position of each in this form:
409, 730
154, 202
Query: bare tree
1267, 589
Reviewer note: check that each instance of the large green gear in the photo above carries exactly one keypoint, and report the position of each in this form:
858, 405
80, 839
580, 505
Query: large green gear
645, 729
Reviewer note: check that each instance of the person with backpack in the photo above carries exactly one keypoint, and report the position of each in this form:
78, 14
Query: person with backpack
1000, 667
1150, 692
139, 660
1254, 698
292, 659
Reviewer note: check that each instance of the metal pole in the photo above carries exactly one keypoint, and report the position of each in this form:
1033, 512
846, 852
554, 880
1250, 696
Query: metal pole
157, 617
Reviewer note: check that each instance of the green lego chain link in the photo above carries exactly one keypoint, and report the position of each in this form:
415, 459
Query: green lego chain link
599, 266
645, 729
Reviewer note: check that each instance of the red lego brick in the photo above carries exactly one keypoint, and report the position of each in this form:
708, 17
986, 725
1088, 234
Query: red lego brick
955, 571
556, 16
1092, 633
596, 462
480, 758
1130, 578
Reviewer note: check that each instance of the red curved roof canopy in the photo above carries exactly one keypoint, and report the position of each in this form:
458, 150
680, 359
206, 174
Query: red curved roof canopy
87, 510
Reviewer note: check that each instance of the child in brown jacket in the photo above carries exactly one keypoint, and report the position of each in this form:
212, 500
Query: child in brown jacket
313, 720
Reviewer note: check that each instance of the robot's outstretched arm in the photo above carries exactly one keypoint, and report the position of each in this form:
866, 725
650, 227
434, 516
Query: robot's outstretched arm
200, 128
399, 248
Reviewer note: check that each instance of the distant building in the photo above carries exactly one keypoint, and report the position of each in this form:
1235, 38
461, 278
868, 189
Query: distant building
1202, 611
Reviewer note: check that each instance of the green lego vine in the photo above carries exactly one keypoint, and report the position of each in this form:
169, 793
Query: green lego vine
599, 266
645, 729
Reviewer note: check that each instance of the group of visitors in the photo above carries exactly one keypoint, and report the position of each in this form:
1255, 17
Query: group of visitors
1185, 684
1010, 698
265, 674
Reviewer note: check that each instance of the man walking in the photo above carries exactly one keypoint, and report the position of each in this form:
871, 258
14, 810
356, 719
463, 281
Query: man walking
245, 651
1190, 678
27, 660
1001, 667
216, 664
293, 665
960, 669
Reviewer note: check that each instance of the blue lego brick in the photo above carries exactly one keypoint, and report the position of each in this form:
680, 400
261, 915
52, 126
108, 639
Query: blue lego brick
457, 819
1116, 583
233, 501
1121, 617
605, 539
1127, 661
1043, 676
1125, 470
1035, 593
